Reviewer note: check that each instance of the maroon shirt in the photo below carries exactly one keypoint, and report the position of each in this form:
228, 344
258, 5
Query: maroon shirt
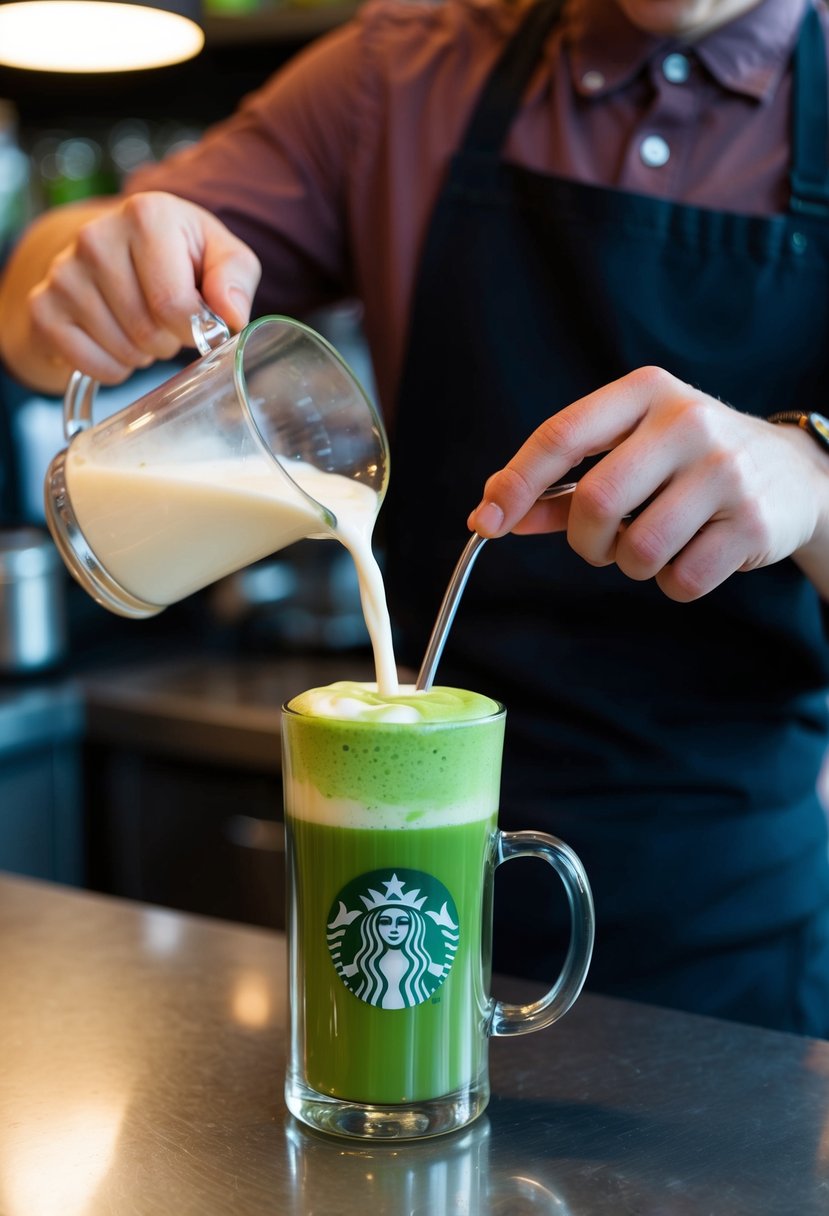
331, 170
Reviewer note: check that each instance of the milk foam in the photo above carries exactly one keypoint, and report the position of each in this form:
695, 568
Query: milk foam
307, 803
355, 701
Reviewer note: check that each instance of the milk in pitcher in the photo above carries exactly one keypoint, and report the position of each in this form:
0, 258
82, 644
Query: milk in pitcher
164, 530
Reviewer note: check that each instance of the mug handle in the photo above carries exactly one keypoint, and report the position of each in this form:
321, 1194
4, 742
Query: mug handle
509, 1019
209, 332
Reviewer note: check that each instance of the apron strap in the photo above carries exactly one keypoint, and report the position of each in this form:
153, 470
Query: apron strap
810, 137
501, 97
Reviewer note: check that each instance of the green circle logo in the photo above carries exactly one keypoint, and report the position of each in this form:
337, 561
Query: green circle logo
393, 936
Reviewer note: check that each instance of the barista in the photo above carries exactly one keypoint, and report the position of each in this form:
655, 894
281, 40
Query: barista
588, 224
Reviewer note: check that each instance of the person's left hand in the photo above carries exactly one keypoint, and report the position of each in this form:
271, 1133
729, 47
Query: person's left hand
716, 491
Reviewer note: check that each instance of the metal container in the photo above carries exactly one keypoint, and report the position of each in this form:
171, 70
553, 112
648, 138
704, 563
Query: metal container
32, 605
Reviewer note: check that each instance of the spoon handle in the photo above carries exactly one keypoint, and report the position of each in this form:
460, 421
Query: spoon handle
454, 591
448, 608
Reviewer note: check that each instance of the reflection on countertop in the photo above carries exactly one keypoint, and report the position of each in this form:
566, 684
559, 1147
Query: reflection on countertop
143, 1064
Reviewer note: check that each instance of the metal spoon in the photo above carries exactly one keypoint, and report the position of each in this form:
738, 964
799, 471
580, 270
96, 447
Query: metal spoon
454, 591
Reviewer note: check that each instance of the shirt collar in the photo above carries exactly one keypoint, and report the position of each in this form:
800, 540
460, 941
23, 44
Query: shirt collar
746, 56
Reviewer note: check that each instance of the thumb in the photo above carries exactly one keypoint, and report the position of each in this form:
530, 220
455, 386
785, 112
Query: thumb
230, 275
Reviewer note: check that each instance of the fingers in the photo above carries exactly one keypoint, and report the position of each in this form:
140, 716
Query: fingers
715, 553
55, 307
687, 490
206, 256
121, 295
104, 257
545, 516
594, 424
670, 480
230, 276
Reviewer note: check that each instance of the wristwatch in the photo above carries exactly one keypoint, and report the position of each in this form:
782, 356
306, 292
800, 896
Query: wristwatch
816, 425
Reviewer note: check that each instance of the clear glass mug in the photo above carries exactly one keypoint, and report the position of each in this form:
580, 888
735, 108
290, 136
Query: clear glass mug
392, 843
256, 445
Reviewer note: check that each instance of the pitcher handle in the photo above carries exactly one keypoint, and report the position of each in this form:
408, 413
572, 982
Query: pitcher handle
521, 1019
209, 332
208, 329
77, 404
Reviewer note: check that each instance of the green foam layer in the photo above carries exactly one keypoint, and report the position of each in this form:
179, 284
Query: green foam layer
423, 765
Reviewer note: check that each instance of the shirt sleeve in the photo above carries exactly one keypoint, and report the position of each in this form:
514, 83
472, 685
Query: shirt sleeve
275, 173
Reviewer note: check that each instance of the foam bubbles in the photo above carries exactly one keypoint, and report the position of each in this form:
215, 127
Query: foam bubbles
352, 701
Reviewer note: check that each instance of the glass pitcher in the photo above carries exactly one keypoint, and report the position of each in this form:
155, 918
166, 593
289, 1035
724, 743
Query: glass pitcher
267, 439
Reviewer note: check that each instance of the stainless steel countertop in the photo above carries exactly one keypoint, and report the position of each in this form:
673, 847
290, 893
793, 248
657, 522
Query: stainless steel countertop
141, 1063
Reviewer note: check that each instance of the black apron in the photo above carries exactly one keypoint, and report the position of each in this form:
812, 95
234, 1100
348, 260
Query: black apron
674, 746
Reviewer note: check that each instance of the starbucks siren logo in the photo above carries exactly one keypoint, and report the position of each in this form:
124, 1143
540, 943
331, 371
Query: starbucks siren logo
388, 945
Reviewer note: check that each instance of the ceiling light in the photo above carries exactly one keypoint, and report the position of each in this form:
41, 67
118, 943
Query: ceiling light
98, 35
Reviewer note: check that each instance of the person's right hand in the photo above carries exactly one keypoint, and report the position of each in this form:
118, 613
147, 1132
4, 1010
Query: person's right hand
119, 292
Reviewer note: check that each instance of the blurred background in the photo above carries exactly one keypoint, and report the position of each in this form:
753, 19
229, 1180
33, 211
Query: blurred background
142, 758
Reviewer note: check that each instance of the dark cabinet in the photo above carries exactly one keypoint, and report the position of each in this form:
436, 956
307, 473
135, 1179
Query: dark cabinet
41, 798
194, 835
184, 781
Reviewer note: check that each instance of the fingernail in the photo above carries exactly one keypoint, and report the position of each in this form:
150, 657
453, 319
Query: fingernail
488, 518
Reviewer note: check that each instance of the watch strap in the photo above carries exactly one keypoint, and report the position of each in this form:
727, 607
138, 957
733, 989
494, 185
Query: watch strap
816, 425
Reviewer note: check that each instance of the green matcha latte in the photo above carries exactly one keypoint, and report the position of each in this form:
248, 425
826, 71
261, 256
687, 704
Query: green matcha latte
390, 808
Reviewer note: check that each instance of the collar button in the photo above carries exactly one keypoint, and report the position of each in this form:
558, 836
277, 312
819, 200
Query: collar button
676, 68
654, 151
592, 80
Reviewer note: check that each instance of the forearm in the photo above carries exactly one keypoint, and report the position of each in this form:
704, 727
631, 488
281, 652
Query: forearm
27, 356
